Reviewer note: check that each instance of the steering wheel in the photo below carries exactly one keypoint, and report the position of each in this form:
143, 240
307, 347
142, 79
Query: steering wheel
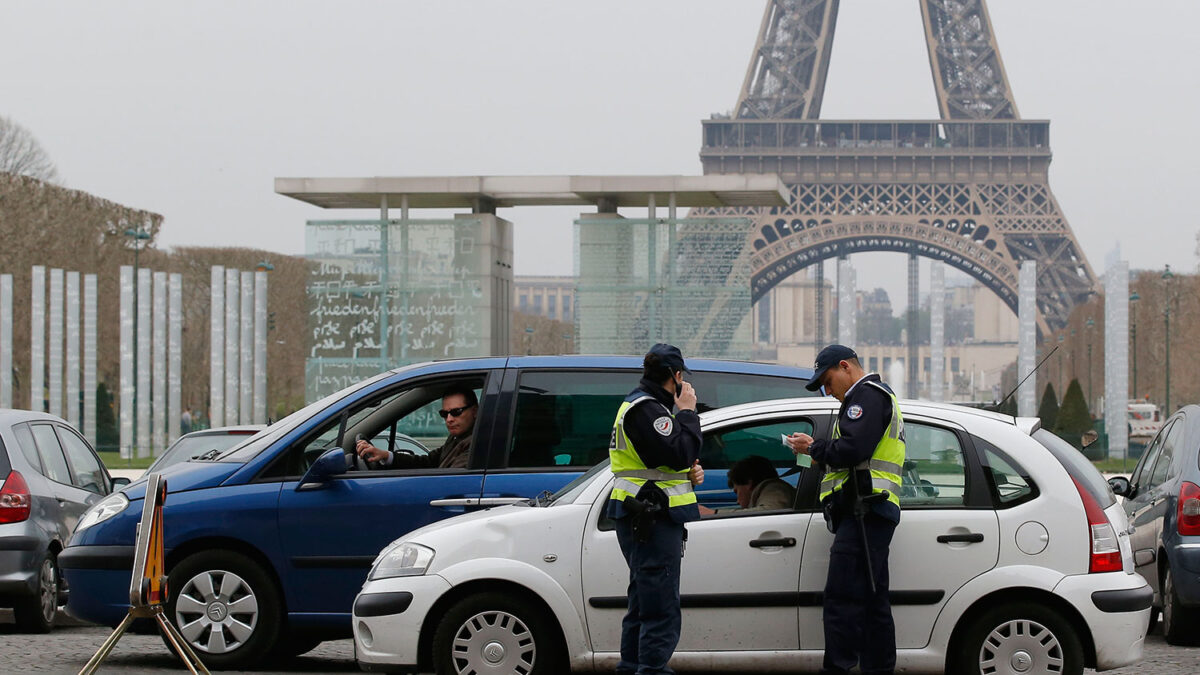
358, 464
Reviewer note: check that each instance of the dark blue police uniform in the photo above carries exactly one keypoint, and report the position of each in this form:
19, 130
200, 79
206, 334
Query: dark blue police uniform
859, 629
650, 629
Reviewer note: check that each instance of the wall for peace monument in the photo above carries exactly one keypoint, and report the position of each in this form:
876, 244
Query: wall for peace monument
384, 294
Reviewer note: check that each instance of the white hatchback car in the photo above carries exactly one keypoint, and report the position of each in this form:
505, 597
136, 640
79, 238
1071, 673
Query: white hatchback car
1012, 556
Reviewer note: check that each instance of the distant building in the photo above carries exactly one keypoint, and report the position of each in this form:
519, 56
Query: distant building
549, 297
785, 315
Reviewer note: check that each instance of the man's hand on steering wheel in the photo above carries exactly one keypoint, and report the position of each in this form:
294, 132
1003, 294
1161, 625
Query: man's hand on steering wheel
369, 453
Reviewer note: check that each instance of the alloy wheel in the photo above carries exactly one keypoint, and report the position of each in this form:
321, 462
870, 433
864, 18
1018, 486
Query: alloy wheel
48, 590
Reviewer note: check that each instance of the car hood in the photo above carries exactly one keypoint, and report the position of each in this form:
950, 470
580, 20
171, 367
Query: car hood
501, 532
186, 476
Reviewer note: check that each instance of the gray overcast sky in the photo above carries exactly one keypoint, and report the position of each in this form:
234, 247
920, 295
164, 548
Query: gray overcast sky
192, 109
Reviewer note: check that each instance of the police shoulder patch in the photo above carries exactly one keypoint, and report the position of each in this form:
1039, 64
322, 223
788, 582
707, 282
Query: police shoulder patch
854, 412
664, 425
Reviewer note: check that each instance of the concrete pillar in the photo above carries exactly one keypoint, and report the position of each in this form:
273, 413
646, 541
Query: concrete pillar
143, 393
159, 368
246, 351
216, 342
260, 348
37, 340
233, 334
174, 354
1116, 358
937, 331
71, 352
90, 328
127, 352
6, 338
1027, 339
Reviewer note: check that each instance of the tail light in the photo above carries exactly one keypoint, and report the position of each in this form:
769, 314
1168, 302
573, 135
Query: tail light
1187, 516
1105, 554
14, 499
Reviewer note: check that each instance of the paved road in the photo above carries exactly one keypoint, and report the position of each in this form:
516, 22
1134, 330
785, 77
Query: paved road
68, 648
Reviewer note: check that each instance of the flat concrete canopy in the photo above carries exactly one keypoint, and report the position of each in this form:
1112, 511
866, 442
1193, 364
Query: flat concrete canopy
435, 192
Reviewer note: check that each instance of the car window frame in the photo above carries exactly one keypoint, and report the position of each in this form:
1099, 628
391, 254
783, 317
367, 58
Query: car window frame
106, 486
1168, 452
1145, 467
478, 450
812, 417
45, 472
975, 491
35, 462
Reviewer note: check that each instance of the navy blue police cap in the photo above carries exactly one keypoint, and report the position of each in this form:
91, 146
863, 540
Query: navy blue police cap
828, 358
669, 356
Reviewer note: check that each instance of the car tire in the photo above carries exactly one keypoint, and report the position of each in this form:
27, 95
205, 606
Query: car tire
35, 614
1016, 632
1178, 622
497, 632
226, 607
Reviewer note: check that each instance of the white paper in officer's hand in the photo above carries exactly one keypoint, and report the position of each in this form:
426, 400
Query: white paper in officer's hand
801, 460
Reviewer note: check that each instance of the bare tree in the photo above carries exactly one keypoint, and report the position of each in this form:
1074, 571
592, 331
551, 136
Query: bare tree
21, 154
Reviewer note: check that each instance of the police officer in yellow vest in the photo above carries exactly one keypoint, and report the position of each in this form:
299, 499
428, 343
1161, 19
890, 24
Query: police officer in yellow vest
652, 451
863, 462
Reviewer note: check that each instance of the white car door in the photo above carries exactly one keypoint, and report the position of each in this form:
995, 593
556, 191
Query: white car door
740, 574
947, 536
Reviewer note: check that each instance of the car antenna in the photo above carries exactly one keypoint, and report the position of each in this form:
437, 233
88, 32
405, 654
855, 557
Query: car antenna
1035, 369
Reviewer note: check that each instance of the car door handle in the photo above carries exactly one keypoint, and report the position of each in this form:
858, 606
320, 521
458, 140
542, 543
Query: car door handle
967, 538
478, 501
765, 543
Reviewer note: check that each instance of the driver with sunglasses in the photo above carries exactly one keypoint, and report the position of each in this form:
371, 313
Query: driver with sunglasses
459, 407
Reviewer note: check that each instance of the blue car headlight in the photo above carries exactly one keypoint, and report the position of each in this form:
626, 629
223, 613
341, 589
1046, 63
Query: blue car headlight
103, 510
402, 560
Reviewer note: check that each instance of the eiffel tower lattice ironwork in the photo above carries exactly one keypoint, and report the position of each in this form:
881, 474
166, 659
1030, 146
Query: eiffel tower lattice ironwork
970, 188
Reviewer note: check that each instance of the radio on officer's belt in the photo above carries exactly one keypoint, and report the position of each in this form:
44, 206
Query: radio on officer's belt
801, 459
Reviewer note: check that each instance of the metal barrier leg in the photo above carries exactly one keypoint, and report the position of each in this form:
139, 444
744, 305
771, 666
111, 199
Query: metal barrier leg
105, 649
186, 654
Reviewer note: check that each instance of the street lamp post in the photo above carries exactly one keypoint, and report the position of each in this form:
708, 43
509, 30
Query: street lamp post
1168, 276
1133, 297
1090, 325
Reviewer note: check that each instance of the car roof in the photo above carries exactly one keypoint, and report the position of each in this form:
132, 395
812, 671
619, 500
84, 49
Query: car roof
611, 361
825, 404
232, 429
14, 416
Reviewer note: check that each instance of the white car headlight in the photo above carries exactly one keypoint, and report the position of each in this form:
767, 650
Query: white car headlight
102, 511
403, 560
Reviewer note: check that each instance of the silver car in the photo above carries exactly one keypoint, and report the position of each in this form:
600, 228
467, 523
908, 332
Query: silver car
49, 475
197, 443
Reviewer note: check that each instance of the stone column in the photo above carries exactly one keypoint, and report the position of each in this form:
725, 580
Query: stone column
159, 367
1027, 339
143, 394
89, 358
127, 352
37, 340
71, 377
174, 354
1116, 358
216, 343
233, 335
937, 331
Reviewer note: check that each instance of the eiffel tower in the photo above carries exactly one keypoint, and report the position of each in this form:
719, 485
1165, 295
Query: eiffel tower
969, 188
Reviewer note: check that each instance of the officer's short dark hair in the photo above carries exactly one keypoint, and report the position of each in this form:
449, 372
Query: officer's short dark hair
751, 470
655, 370
467, 393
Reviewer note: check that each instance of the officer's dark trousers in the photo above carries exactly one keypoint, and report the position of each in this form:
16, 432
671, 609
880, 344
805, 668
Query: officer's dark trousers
858, 625
650, 630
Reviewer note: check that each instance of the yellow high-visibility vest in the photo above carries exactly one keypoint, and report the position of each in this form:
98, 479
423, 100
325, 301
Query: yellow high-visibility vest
632, 473
885, 464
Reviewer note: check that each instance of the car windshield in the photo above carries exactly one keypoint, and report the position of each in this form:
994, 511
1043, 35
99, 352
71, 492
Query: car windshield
571, 491
247, 451
1078, 466
193, 446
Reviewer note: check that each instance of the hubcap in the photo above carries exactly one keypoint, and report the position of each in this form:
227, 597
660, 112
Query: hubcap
48, 590
1020, 646
493, 641
216, 611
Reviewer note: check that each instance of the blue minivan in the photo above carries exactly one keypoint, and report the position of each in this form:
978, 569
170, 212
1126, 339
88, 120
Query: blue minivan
268, 542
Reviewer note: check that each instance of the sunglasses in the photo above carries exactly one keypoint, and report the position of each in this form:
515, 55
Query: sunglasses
454, 412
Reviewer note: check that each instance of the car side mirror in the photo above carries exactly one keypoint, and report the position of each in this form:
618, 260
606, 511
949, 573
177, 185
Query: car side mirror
119, 482
328, 465
1120, 486
1090, 436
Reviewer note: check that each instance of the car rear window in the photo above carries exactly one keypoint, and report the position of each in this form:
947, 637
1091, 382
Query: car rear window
1078, 466
5, 466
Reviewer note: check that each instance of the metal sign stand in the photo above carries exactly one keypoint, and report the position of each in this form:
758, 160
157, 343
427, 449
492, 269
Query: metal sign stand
148, 587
